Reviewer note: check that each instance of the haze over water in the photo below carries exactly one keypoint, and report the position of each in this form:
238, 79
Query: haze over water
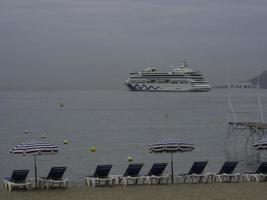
119, 123
94, 44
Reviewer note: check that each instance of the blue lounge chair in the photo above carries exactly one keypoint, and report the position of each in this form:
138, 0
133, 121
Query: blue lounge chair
226, 174
54, 178
17, 179
259, 175
132, 174
100, 176
155, 174
194, 174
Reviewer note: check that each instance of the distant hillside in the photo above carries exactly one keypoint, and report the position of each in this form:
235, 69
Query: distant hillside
262, 79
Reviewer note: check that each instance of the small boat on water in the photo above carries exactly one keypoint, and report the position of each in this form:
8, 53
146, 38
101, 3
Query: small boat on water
178, 79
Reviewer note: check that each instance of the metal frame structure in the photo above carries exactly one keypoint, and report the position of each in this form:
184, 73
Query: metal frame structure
242, 134
250, 132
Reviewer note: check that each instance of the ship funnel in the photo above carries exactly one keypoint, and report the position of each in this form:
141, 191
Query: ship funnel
184, 65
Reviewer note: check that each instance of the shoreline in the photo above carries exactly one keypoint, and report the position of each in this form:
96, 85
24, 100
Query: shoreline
213, 191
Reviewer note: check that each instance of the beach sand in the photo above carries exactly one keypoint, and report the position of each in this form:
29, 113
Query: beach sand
219, 191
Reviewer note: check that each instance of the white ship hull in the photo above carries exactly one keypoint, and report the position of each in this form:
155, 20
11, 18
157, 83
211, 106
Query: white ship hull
180, 79
164, 87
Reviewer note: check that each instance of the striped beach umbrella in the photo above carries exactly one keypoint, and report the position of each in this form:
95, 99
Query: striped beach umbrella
170, 146
34, 148
261, 144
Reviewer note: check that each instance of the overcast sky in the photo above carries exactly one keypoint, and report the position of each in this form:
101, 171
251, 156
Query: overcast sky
95, 44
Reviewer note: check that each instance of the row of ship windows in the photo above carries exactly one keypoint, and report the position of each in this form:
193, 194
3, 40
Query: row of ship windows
163, 81
152, 77
171, 76
165, 74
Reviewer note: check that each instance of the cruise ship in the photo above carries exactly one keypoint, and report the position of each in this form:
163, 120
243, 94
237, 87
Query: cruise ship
180, 79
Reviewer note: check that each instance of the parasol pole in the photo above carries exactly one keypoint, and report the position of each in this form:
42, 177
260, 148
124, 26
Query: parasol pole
35, 171
172, 167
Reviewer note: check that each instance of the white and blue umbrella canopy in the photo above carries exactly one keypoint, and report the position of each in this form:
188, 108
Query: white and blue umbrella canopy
34, 148
261, 144
170, 146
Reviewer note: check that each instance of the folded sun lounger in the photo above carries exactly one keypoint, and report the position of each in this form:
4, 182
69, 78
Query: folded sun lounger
100, 177
155, 174
195, 174
17, 179
259, 175
54, 178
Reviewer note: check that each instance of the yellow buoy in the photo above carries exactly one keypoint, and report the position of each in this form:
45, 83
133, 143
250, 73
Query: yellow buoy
93, 149
61, 104
66, 141
130, 159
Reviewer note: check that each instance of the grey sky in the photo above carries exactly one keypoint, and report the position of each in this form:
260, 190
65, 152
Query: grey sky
95, 43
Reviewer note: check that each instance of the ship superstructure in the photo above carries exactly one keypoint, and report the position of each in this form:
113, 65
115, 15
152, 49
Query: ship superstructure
177, 79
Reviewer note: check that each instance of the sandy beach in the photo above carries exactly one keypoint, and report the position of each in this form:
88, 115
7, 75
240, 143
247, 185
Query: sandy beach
220, 191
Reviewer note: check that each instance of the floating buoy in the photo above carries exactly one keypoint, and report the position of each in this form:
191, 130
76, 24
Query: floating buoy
66, 141
43, 136
93, 149
166, 116
61, 104
26, 131
130, 159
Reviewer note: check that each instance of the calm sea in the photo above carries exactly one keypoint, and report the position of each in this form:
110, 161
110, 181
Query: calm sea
119, 124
